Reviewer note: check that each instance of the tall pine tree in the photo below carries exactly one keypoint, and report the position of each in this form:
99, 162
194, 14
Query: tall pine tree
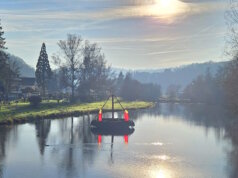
43, 70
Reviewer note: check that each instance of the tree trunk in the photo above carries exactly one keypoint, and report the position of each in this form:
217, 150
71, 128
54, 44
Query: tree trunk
72, 86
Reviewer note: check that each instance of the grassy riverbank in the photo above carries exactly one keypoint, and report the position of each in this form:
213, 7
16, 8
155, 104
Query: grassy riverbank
22, 112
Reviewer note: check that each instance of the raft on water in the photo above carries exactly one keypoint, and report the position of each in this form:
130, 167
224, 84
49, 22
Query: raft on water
112, 123
115, 131
109, 124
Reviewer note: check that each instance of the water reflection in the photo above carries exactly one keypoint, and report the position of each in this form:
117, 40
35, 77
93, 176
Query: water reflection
170, 140
4, 134
8, 137
75, 157
42, 132
161, 173
112, 132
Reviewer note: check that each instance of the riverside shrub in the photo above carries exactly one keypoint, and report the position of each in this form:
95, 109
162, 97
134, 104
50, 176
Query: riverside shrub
35, 100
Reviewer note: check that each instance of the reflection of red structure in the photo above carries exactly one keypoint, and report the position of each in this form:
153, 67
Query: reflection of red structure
99, 139
126, 139
100, 116
126, 115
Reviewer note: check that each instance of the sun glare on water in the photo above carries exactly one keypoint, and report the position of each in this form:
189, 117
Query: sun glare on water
160, 174
167, 8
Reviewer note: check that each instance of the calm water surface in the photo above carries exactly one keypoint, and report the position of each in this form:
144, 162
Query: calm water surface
169, 141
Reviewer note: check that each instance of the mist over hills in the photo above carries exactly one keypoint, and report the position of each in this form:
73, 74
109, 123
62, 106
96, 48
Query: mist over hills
182, 75
25, 69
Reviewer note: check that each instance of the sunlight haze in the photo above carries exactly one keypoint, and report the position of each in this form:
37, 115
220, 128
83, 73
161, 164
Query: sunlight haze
133, 34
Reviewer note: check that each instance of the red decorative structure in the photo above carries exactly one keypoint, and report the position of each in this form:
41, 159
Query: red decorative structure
112, 124
99, 139
126, 139
126, 115
100, 116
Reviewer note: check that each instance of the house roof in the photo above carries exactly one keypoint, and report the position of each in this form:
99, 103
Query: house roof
28, 81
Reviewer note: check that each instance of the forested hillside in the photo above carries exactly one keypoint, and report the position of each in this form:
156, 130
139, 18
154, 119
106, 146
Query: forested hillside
24, 69
181, 76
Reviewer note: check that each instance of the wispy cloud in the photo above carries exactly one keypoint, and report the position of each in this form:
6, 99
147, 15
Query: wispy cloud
111, 13
128, 30
165, 52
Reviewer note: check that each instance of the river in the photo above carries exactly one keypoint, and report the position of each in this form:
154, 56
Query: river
169, 141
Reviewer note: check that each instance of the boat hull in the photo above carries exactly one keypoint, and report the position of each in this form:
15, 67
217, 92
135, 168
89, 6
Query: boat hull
110, 131
112, 124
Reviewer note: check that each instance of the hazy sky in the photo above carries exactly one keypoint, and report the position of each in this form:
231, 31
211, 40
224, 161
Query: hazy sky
134, 34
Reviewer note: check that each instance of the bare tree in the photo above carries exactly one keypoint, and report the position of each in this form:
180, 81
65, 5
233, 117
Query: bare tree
69, 59
230, 72
231, 17
94, 74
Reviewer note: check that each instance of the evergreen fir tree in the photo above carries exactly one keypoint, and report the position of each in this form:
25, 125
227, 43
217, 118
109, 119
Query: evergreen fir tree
43, 70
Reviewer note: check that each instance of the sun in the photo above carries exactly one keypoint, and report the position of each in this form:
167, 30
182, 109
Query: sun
167, 8
164, 3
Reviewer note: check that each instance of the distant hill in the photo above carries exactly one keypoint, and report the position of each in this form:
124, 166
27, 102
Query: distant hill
180, 76
25, 69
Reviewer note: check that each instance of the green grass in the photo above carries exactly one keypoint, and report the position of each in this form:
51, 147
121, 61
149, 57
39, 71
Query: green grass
22, 112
